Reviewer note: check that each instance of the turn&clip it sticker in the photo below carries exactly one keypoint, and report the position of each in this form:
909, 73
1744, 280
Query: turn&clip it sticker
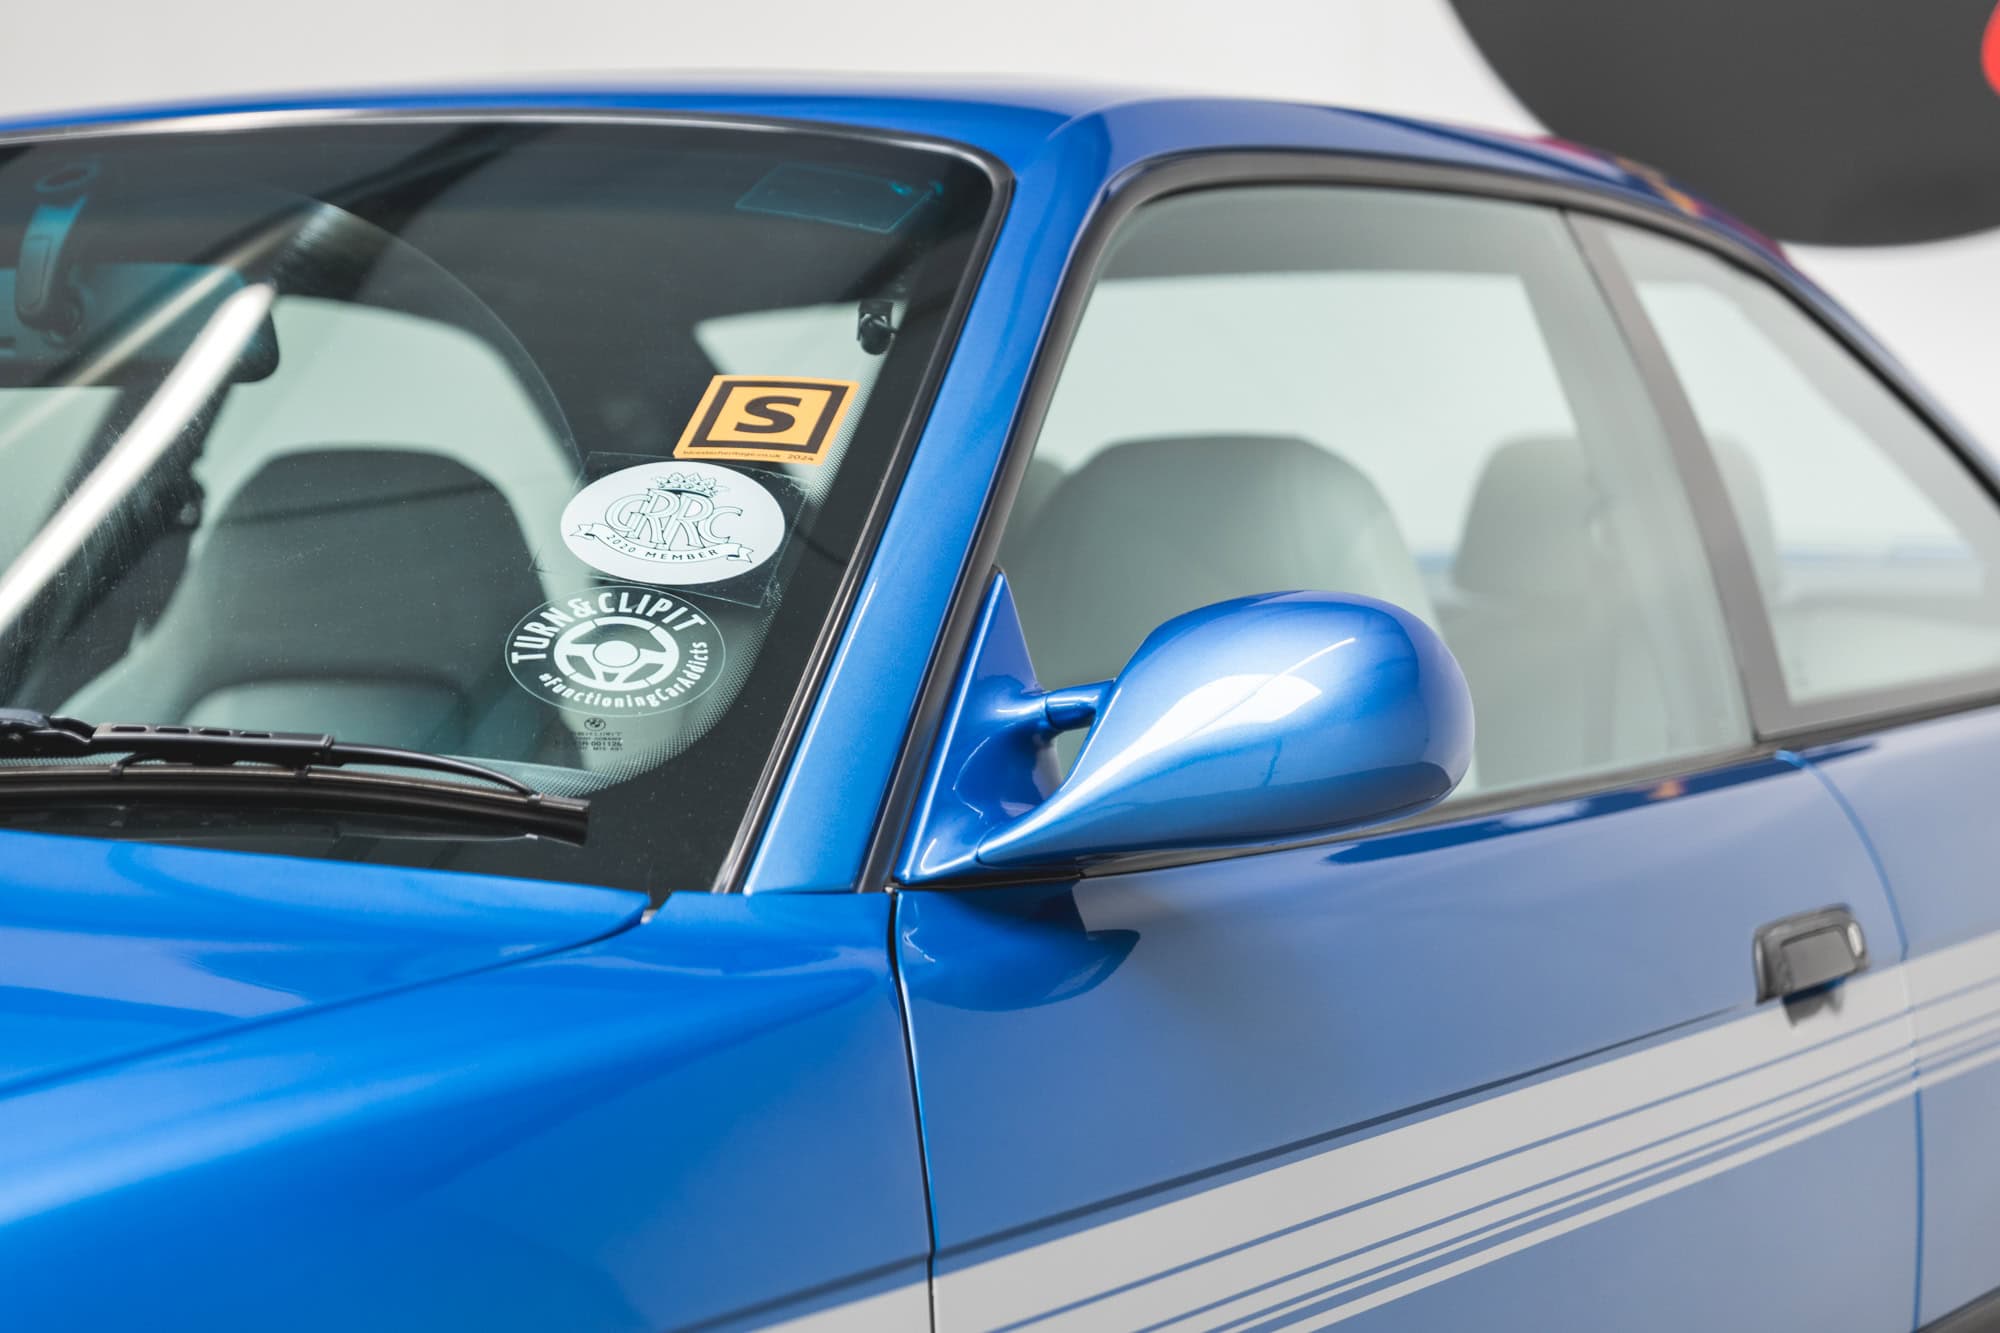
616, 651
674, 523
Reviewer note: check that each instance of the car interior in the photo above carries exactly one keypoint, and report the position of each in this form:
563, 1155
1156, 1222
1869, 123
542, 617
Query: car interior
232, 646
424, 406
1532, 605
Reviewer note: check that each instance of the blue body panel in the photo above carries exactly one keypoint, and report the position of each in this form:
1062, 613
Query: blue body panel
115, 948
1924, 794
704, 1114
1090, 1058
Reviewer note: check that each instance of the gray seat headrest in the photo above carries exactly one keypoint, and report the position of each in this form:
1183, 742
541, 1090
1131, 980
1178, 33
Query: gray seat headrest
1148, 529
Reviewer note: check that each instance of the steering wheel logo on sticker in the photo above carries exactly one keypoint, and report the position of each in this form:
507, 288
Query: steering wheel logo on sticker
674, 523
616, 650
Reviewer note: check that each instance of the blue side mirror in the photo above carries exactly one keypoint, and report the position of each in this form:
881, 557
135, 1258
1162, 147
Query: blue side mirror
1252, 722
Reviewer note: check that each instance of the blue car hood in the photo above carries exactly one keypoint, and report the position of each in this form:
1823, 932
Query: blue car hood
108, 949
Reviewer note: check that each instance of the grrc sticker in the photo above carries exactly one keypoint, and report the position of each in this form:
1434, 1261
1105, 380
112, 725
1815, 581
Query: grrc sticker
763, 419
621, 650
675, 523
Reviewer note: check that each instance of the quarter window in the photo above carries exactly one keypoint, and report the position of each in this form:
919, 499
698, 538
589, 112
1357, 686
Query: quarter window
1417, 397
1872, 546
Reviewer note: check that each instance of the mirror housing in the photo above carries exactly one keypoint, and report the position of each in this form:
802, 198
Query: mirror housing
1253, 722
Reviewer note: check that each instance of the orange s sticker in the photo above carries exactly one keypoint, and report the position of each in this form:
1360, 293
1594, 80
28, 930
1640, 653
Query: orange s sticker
767, 419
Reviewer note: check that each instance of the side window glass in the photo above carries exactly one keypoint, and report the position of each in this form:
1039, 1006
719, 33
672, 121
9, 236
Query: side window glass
1872, 546
1417, 397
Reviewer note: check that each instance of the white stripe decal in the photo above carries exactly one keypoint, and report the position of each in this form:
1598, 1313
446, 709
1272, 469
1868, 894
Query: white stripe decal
905, 1307
1613, 1192
1963, 965
1377, 1218
1433, 1276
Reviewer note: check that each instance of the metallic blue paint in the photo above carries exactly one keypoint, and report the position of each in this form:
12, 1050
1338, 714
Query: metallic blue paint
994, 761
1088, 1051
1924, 795
108, 949
1255, 721
705, 1117
1620, 1272
245, 1091
1251, 722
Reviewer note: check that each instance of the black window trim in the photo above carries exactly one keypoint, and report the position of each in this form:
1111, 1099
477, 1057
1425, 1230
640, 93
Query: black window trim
977, 251
1722, 540
1774, 727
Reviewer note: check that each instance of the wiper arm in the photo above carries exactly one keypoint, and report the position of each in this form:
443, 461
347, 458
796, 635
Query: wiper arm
301, 758
36, 735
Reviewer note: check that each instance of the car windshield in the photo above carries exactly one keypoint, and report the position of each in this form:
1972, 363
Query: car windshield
548, 444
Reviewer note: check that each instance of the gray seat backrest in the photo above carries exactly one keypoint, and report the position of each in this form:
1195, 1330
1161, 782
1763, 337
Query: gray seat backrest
1148, 529
366, 592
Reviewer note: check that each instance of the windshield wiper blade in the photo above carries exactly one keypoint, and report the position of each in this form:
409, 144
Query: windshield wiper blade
36, 735
194, 757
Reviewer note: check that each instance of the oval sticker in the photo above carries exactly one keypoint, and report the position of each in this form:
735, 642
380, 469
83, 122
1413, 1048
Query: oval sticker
674, 523
615, 650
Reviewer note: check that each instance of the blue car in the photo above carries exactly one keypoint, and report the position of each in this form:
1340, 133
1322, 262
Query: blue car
948, 708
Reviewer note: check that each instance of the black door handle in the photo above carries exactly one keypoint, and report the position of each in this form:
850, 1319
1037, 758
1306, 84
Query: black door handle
1806, 952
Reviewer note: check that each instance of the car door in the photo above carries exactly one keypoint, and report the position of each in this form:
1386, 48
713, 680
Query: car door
1504, 1065
1874, 550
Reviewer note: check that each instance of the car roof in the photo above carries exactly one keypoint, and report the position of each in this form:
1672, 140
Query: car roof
1081, 129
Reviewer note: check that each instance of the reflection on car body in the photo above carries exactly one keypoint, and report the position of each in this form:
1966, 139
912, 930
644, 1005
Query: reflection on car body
1191, 715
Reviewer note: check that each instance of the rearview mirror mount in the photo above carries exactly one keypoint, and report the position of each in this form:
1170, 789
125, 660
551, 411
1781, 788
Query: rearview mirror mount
123, 323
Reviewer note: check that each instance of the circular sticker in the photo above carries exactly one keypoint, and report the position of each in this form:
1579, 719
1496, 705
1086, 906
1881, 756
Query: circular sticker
615, 650
674, 523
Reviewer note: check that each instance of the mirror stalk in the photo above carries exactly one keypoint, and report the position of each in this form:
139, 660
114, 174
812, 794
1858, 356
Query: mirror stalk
1067, 710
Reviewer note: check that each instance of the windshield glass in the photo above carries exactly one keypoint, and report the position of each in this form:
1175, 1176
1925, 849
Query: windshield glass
542, 444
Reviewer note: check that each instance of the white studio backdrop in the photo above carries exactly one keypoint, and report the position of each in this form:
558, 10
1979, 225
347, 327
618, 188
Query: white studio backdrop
1408, 56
